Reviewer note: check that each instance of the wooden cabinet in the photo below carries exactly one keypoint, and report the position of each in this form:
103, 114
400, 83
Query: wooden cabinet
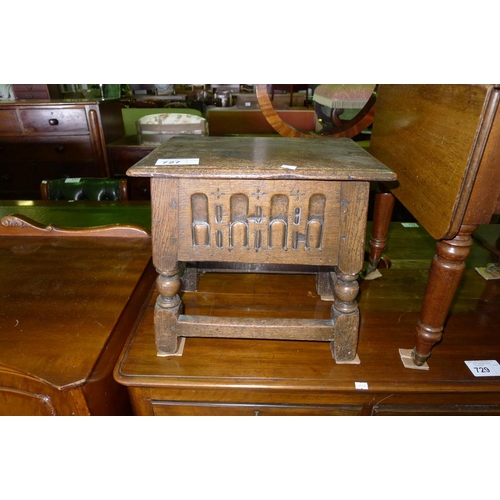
216, 376
51, 139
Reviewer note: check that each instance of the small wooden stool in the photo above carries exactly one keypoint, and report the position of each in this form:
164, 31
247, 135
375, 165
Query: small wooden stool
256, 200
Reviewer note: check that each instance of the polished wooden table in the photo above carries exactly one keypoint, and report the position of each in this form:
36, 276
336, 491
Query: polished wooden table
260, 201
282, 377
443, 141
67, 304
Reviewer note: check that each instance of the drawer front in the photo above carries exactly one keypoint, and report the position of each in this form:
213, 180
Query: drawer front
33, 94
29, 87
54, 120
55, 149
9, 123
189, 408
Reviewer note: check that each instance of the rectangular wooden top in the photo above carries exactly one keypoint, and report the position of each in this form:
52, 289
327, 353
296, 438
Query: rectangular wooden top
338, 159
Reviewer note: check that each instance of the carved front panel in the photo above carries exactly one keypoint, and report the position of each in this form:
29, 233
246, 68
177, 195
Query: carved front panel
283, 221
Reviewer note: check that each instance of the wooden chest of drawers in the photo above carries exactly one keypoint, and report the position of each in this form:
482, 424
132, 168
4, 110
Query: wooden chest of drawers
51, 139
34, 90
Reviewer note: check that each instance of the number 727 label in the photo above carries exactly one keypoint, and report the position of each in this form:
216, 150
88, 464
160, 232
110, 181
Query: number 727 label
484, 368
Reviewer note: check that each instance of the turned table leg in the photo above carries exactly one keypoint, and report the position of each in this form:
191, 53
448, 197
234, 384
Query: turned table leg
446, 271
167, 309
383, 208
345, 313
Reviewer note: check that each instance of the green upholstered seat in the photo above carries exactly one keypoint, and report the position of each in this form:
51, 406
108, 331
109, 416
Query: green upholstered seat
85, 188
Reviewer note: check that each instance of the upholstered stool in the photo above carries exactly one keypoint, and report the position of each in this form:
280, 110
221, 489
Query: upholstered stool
335, 104
156, 129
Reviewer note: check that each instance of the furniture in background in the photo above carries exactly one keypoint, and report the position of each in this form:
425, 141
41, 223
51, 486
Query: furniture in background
443, 141
154, 129
349, 96
52, 139
81, 213
85, 188
36, 91
282, 377
68, 300
123, 154
242, 120
344, 107
258, 201
290, 89
130, 116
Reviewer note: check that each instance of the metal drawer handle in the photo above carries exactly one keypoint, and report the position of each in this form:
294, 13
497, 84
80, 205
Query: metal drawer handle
54, 121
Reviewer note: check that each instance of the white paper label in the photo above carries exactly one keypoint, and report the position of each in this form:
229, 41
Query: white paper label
71, 180
289, 167
178, 161
361, 385
484, 368
409, 224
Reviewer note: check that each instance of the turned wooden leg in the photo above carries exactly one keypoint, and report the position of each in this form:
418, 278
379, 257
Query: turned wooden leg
445, 274
167, 309
345, 315
384, 206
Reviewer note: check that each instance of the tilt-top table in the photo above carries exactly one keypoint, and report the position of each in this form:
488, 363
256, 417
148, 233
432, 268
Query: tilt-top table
260, 201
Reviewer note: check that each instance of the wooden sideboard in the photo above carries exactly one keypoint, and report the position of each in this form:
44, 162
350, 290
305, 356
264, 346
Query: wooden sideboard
67, 305
49, 139
216, 376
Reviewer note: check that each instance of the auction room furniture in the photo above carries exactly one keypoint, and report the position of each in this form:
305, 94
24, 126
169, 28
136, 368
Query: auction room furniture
81, 213
291, 88
157, 128
85, 188
283, 377
443, 141
123, 154
260, 201
335, 97
35, 90
68, 300
49, 139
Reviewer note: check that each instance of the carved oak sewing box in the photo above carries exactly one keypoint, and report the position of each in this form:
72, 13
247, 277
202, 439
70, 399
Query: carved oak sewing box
254, 202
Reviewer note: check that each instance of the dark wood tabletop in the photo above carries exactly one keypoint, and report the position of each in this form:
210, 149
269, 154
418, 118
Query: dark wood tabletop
276, 377
264, 158
67, 305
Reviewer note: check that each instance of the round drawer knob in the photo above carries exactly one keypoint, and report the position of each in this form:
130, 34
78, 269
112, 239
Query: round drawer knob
59, 149
54, 121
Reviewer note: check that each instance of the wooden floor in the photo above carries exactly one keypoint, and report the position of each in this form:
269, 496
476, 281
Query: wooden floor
389, 309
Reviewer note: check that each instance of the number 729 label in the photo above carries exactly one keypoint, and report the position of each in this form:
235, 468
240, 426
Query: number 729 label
484, 368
